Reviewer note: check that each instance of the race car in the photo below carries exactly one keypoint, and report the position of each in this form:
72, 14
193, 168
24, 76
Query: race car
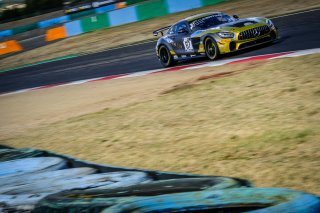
211, 34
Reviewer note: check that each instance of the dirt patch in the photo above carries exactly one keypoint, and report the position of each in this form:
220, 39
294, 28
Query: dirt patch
251, 125
141, 31
179, 87
215, 76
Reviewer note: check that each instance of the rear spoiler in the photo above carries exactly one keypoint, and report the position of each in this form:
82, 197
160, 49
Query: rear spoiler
156, 32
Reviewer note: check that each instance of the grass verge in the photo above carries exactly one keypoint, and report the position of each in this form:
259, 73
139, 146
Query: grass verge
257, 120
135, 32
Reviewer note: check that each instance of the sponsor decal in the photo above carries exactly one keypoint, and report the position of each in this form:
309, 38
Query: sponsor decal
94, 19
187, 44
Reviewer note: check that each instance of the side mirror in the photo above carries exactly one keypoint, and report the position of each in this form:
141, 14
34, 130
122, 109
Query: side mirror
183, 30
235, 16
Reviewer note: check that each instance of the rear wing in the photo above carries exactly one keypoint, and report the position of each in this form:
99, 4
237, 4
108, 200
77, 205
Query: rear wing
161, 30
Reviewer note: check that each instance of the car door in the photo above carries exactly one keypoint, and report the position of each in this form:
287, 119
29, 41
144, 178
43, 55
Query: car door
181, 37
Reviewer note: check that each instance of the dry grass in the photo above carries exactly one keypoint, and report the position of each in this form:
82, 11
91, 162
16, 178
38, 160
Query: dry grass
140, 31
261, 123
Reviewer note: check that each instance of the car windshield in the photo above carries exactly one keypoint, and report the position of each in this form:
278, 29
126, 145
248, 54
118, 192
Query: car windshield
209, 21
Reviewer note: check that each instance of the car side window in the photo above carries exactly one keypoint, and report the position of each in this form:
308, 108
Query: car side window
179, 26
171, 30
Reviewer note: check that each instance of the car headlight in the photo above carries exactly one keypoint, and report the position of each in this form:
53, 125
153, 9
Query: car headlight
269, 22
226, 35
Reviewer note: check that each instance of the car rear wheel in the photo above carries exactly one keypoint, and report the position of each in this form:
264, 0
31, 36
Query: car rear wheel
211, 47
165, 57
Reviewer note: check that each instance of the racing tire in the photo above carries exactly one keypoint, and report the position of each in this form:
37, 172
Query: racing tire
165, 57
211, 48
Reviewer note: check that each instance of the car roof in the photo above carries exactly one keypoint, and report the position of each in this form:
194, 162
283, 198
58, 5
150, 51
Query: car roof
192, 18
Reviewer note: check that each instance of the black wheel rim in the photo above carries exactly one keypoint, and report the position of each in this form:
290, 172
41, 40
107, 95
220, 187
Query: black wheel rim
210, 49
164, 55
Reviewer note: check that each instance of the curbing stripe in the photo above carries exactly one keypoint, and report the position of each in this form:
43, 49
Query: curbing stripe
260, 57
300, 53
178, 68
107, 78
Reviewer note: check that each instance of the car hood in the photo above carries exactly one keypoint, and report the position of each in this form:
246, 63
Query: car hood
241, 24
235, 27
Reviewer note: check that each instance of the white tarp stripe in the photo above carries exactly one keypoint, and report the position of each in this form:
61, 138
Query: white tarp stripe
143, 73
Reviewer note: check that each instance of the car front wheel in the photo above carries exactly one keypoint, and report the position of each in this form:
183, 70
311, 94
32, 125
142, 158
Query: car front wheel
211, 47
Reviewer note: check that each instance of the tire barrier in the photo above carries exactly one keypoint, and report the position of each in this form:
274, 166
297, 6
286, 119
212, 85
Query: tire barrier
73, 28
255, 200
59, 20
13, 154
98, 199
95, 22
30, 165
119, 14
9, 47
56, 33
121, 5
53, 21
142, 11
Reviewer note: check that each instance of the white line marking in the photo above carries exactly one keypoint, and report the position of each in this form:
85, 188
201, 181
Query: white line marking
116, 48
28, 39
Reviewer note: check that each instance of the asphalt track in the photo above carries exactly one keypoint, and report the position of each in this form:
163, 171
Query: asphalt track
298, 31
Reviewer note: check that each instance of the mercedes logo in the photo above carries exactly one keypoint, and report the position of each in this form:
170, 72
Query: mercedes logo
256, 32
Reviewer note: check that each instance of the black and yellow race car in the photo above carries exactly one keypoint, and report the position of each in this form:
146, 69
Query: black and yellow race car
211, 34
